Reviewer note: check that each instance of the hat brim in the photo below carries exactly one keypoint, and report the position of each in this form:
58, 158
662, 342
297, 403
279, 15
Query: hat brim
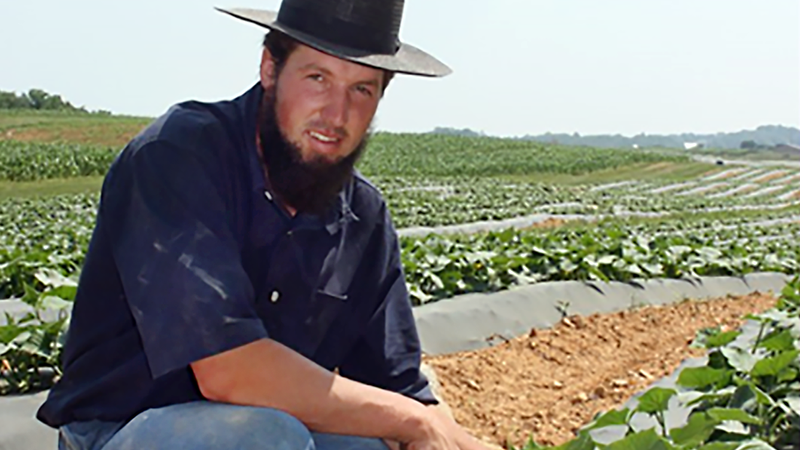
408, 59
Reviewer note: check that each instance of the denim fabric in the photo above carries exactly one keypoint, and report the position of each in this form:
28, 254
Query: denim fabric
207, 425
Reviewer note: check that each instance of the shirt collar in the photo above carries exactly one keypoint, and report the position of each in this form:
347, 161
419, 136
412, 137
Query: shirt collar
248, 105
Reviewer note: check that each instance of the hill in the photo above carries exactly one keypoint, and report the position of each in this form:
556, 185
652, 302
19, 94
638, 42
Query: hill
764, 137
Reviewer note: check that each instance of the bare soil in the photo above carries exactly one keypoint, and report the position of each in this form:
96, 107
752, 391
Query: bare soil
729, 173
548, 223
769, 177
551, 382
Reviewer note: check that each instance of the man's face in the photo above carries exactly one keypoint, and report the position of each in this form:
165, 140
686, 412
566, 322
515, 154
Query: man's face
324, 105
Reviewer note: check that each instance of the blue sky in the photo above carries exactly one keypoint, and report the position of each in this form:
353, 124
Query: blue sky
521, 66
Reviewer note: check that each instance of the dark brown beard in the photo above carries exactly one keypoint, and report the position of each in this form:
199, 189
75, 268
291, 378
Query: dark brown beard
307, 186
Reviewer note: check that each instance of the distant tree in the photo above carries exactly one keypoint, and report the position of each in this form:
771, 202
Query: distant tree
749, 145
35, 99
42, 100
10, 100
458, 132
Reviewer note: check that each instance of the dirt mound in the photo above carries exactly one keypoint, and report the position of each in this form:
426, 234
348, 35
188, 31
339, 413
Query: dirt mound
551, 382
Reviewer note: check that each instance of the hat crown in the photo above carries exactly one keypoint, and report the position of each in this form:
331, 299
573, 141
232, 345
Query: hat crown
369, 26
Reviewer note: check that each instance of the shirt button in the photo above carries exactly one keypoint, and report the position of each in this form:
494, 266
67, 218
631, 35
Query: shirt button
268, 195
275, 296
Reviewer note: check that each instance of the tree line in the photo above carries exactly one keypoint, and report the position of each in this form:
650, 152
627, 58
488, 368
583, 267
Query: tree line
40, 100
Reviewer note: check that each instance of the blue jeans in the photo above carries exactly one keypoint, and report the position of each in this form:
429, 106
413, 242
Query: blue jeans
207, 425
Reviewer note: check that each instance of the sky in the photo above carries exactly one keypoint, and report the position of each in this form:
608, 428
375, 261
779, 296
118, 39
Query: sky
520, 66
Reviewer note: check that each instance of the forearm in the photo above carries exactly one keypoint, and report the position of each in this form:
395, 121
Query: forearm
268, 374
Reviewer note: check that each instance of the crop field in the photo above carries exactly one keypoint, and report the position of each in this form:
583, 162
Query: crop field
54, 233
610, 215
432, 202
387, 155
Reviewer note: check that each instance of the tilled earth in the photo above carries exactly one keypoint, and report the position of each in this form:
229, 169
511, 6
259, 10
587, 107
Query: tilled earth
551, 382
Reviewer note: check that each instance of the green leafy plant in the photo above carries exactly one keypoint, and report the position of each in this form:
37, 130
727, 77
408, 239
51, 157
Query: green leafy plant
30, 347
747, 396
563, 308
439, 267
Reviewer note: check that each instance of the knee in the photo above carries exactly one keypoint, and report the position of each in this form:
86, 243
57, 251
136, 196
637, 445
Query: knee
343, 442
204, 425
267, 428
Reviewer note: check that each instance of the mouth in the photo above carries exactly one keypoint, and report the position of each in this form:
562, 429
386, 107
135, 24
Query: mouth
324, 144
324, 138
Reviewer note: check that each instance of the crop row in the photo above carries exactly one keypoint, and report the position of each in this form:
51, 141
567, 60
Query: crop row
30, 161
433, 202
447, 155
387, 155
54, 234
439, 267
746, 396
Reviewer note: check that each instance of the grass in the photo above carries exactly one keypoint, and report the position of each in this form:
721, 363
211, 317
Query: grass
49, 126
47, 188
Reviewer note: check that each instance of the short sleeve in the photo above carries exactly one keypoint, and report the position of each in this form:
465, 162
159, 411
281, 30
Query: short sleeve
168, 225
388, 354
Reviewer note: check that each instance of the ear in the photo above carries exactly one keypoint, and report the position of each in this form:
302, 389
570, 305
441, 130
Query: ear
267, 69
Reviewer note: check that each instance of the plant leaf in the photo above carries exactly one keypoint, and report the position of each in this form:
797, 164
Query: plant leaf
722, 414
774, 365
739, 359
722, 339
719, 446
779, 342
610, 418
655, 400
701, 377
643, 440
698, 429
787, 374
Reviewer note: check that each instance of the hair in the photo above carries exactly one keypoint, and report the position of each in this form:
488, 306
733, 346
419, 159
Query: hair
281, 47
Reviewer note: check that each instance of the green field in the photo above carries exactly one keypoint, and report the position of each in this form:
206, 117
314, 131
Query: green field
613, 214
56, 126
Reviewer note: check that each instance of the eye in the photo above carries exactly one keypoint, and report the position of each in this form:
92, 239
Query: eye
315, 77
364, 90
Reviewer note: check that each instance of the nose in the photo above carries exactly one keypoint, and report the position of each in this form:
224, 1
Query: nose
336, 111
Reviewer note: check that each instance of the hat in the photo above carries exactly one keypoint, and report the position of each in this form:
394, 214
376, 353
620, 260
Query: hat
362, 31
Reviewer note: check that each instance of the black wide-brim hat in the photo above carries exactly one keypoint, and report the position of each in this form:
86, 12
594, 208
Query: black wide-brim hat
361, 31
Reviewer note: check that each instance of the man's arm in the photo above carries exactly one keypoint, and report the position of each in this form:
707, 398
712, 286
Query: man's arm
166, 218
462, 438
268, 374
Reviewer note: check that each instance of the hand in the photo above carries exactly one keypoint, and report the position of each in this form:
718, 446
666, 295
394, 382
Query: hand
393, 445
436, 435
464, 440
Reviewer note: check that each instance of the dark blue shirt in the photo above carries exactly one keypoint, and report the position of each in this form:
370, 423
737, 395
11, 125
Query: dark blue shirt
191, 257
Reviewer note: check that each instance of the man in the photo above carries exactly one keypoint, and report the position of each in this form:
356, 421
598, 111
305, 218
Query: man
243, 287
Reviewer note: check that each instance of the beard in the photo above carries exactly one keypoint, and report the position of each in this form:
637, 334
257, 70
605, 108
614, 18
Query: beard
307, 186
